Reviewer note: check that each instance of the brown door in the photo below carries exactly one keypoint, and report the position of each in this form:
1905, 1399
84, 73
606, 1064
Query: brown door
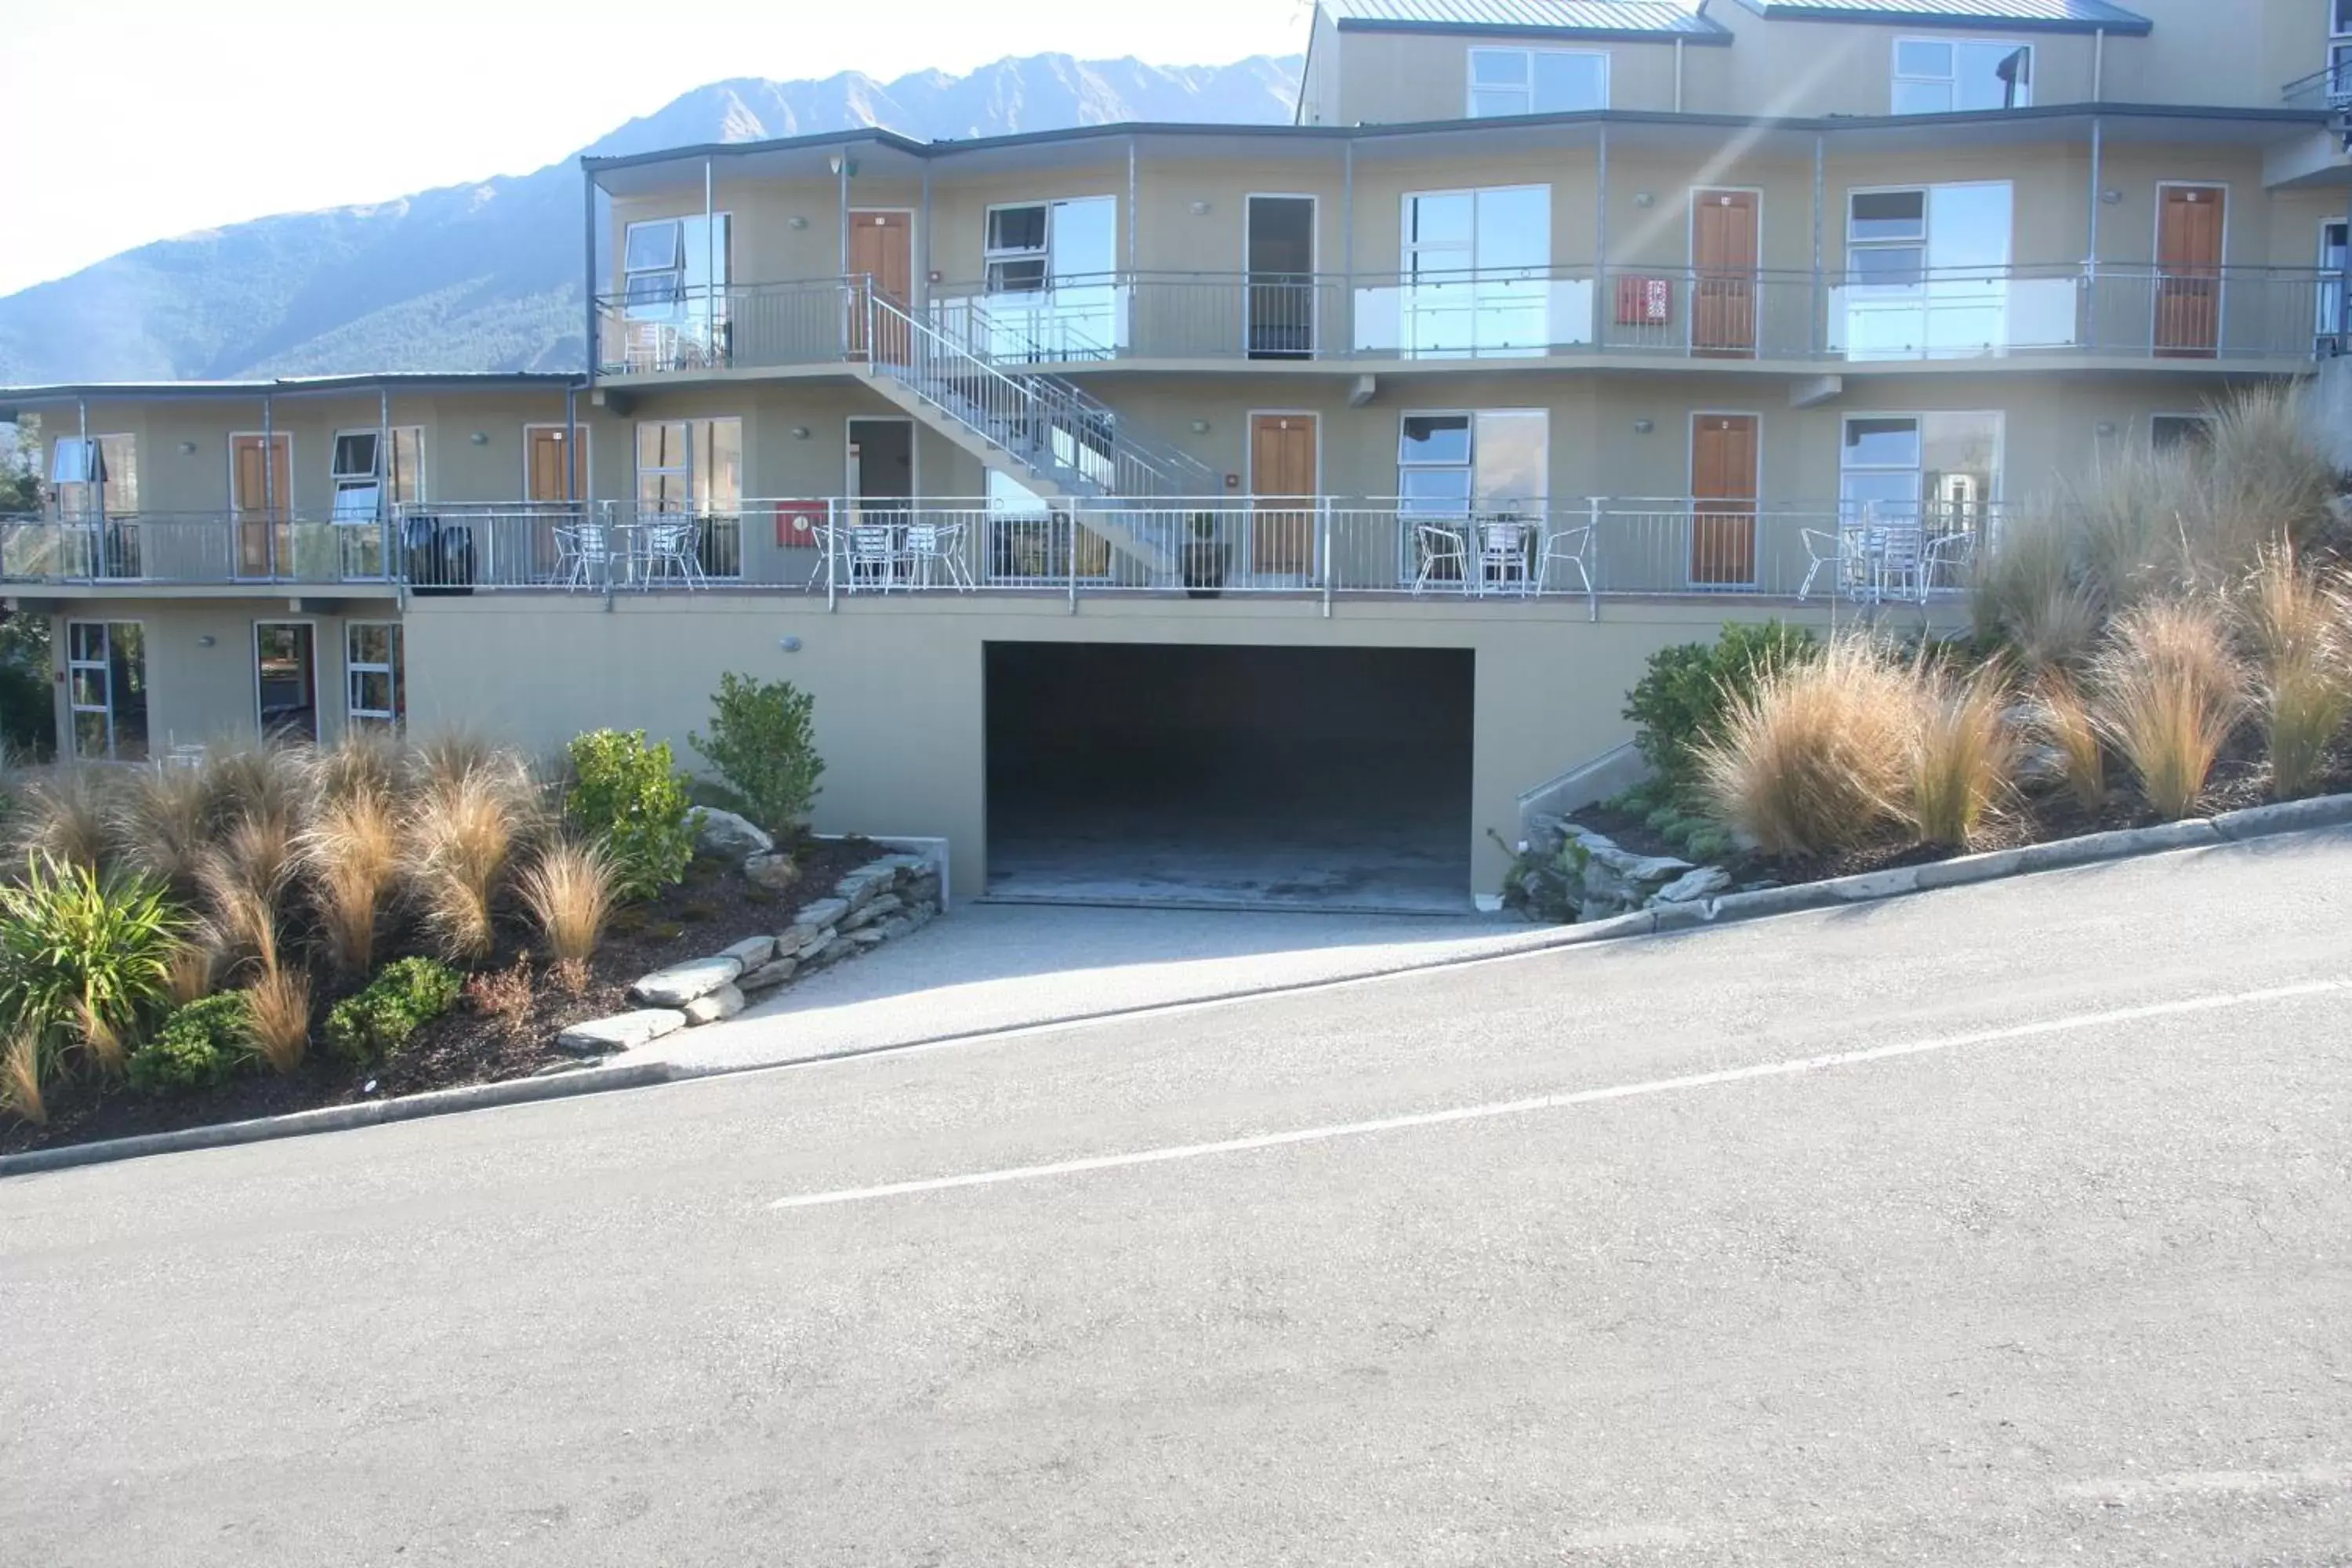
1283, 485
261, 500
2189, 270
1723, 509
544, 473
882, 248
1723, 266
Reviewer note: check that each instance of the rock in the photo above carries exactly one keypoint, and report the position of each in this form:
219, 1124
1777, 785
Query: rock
768, 976
773, 872
552, 1069
2039, 764
888, 904
834, 952
753, 951
723, 1002
1605, 893
812, 920
925, 911
1704, 882
892, 930
681, 984
923, 889
620, 1032
727, 836
816, 944
862, 887
869, 936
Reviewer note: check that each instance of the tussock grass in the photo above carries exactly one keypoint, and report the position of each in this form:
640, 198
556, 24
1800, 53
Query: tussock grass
161, 822
63, 816
281, 1012
569, 894
461, 832
269, 783
243, 880
2169, 691
351, 858
2030, 592
192, 972
2297, 625
2064, 718
1818, 756
22, 1074
364, 763
1964, 755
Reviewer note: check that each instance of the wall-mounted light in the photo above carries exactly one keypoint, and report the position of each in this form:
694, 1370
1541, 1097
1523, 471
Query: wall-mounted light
1199, 426
796, 221
2112, 197
1643, 427
800, 432
1200, 209
1643, 199
2104, 427
841, 166
789, 645
479, 438
206, 640
187, 448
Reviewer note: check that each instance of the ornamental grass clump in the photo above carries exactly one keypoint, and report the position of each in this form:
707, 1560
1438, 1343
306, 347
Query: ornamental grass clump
351, 860
2065, 722
1963, 757
2170, 691
1818, 757
162, 823
2295, 624
65, 817
279, 1006
569, 894
461, 831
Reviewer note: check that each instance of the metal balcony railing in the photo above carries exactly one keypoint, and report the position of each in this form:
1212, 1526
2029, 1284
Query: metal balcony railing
193, 548
2329, 90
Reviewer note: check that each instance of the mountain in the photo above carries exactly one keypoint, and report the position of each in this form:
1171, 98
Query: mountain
487, 276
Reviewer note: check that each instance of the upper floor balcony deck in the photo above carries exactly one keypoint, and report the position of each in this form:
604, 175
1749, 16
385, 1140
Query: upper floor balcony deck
1960, 317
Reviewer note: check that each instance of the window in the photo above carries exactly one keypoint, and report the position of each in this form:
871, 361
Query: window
1486, 462
1886, 237
2340, 21
669, 264
690, 465
378, 685
2167, 431
1944, 468
358, 480
1476, 266
2332, 240
1927, 275
286, 679
1944, 76
106, 689
103, 470
1537, 81
1040, 245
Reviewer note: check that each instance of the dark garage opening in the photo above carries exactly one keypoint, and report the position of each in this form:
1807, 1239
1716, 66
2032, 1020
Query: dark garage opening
1290, 777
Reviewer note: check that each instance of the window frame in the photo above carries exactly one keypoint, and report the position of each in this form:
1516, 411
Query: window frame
394, 720
261, 723
116, 475
385, 493
992, 256
696, 466
1988, 503
104, 668
1525, 86
1409, 506
674, 302
1897, 77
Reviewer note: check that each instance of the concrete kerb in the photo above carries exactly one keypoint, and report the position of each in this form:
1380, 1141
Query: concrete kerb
2229, 827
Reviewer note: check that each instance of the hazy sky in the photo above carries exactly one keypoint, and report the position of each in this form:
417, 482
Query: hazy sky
137, 120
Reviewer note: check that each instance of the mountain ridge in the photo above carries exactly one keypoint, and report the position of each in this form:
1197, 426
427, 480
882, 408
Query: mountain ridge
484, 274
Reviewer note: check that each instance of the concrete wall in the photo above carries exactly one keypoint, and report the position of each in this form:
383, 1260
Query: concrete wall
898, 684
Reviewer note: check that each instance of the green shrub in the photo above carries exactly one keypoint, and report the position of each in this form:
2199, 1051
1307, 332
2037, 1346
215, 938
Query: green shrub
1545, 887
1682, 694
201, 1045
762, 741
1662, 819
630, 798
403, 996
1708, 843
84, 958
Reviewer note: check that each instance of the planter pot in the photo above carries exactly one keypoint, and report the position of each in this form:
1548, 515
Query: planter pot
1205, 569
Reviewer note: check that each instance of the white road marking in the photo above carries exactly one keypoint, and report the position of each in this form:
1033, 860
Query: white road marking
2210, 1004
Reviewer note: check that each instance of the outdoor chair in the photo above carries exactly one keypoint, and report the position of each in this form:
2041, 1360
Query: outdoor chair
874, 554
1502, 550
581, 555
671, 550
931, 547
1572, 545
1440, 545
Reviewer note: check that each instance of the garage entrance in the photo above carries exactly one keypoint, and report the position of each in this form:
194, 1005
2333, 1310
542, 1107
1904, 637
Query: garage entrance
1230, 777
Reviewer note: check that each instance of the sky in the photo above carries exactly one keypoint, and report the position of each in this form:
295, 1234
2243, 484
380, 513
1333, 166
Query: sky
162, 117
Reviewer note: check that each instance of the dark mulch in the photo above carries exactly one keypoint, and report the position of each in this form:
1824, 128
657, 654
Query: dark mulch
2039, 817
714, 908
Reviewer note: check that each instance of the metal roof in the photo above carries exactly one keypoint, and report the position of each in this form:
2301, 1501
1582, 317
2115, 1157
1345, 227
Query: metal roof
1630, 20
293, 386
2028, 15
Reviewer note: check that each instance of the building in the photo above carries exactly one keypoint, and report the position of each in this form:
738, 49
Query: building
1252, 508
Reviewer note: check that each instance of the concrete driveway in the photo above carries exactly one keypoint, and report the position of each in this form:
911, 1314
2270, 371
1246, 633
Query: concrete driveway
2001, 1226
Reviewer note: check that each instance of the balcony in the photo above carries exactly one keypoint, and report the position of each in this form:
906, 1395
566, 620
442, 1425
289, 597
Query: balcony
2114, 311
194, 549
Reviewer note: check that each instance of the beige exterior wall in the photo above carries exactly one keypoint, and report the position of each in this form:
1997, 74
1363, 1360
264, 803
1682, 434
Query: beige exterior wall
899, 685
1389, 78
204, 693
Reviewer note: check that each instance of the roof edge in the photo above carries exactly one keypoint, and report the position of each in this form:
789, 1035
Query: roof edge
1713, 33
2126, 24
292, 386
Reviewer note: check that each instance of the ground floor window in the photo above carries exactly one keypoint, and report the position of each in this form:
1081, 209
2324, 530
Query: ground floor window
2166, 431
106, 686
286, 679
378, 682
1940, 469
1489, 462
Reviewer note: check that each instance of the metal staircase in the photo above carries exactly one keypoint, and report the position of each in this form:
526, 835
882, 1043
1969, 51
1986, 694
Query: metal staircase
1040, 429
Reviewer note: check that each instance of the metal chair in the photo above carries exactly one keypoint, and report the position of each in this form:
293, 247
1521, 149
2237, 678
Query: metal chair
1947, 558
828, 539
929, 546
671, 550
874, 554
1573, 545
1441, 545
581, 555
1823, 547
1503, 550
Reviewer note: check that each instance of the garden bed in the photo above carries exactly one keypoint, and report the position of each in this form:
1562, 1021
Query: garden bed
714, 908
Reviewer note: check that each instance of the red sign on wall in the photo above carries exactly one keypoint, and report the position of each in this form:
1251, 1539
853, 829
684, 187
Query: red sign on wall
1644, 302
797, 522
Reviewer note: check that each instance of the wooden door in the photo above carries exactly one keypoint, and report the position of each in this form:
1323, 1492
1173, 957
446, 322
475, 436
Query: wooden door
543, 471
1723, 508
1283, 483
2188, 227
261, 500
1724, 251
882, 248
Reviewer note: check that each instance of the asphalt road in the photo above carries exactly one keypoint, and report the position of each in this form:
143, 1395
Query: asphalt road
2007, 1225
